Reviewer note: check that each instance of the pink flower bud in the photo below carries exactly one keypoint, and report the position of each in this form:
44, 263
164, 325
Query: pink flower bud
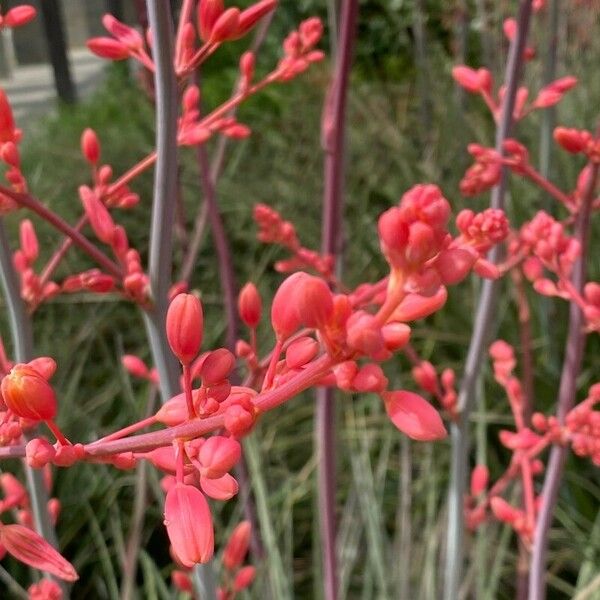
244, 578
29, 241
19, 15
208, 13
182, 581
301, 352
46, 589
134, 365
33, 550
454, 264
237, 546
53, 507
238, 420
250, 305
14, 492
28, 395
109, 48
363, 333
68, 455
415, 306
370, 378
467, 78
553, 92
479, 480
414, 416
247, 62
249, 17
125, 34
226, 26
90, 146
10, 155
98, 215
222, 488
44, 365
218, 455
572, 140
284, 314
189, 524
39, 452
395, 335
314, 302
503, 511
425, 376
185, 327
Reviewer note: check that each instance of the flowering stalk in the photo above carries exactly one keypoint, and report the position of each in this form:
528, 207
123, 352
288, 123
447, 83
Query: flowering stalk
20, 327
479, 337
566, 397
163, 213
332, 138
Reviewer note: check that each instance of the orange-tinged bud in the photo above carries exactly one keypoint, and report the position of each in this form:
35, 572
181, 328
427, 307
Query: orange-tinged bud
33, 550
189, 524
185, 327
250, 305
28, 395
237, 546
90, 146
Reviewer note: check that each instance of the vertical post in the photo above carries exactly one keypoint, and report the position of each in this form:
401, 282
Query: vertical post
57, 49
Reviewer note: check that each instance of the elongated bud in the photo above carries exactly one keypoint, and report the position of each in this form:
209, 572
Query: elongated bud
414, 416
185, 327
134, 365
106, 47
226, 26
19, 15
29, 241
98, 215
218, 455
90, 146
251, 16
33, 550
189, 524
237, 546
284, 314
503, 511
247, 62
250, 305
244, 578
28, 395
425, 376
479, 480
301, 352
572, 140
467, 78
208, 13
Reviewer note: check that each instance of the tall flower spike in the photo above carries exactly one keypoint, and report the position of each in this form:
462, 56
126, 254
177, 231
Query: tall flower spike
189, 524
185, 327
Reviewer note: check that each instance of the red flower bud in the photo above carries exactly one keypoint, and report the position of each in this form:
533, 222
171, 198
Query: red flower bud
237, 546
479, 480
208, 13
109, 48
218, 455
19, 15
414, 416
28, 395
250, 305
90, 146
185, 327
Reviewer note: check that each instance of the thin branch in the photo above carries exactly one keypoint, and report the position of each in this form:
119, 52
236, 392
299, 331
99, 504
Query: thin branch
163, 217
479, 338
333, 139
566, 398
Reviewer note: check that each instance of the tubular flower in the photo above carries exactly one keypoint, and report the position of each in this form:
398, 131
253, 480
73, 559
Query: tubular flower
189, 524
